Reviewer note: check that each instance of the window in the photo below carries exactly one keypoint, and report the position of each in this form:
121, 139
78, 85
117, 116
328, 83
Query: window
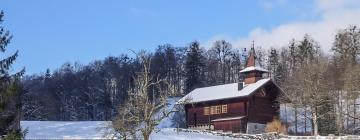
206, 110
224, 109
218, 109
212, 109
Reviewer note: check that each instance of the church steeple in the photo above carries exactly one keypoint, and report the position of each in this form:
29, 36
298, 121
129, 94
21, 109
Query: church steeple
251, 59
253, 72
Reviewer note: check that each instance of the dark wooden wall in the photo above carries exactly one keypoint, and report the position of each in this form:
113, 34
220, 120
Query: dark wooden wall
263, 109
234, 126
252, 77
259, 107
235, 108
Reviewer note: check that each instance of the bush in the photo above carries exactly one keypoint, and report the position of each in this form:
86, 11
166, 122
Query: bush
275, 126
15, 135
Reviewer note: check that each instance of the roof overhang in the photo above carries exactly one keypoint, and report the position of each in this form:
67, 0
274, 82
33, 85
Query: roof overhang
228, 119
252, 68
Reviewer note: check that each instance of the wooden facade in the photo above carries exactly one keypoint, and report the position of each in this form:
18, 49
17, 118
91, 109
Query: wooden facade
238, 125
263, 109
252, 77
260, 107
236, 113
195, 112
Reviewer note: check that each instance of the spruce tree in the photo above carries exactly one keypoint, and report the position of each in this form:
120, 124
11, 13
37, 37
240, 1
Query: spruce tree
9, 89
273, 63
194, 67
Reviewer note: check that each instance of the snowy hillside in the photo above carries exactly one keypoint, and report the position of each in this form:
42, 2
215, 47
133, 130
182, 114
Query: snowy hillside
168, 122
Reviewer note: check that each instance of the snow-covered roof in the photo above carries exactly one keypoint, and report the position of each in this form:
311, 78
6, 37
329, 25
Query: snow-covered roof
228, 119
221, 92
252, 68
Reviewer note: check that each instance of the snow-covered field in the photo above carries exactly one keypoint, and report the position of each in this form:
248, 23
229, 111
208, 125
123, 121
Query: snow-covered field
87, 129
99, 130
65, 129
172, 134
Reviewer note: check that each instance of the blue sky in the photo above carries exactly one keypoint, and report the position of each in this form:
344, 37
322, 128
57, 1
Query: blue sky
49, 33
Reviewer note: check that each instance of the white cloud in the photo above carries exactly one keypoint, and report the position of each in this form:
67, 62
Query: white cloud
335, 15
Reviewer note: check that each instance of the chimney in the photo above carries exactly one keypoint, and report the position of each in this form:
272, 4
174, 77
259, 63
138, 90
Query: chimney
240, 86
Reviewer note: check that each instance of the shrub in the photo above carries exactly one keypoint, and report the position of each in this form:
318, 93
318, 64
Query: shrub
275, 126
15, 135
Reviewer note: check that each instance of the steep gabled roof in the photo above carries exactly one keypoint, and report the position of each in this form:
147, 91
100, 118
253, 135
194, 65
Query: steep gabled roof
219, 92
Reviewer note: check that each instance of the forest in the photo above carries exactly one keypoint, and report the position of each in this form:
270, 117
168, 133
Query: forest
323, 83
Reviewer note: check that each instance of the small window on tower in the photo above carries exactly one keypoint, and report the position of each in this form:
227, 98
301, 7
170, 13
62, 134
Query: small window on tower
224, 109
206, 110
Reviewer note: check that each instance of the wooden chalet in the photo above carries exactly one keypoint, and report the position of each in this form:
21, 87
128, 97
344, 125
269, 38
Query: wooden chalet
243, 107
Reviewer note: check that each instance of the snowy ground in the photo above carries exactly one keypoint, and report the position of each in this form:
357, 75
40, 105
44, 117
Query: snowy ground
81, 129
98, 130
167, 122
172, 134
65, 129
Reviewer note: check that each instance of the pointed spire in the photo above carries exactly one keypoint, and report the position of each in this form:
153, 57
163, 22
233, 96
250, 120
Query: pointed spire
251, 59
253, 71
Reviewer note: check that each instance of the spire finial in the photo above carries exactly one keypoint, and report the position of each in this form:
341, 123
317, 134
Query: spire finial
253, 44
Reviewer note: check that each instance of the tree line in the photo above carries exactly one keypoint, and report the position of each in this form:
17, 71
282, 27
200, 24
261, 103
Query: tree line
322, 87
93, 91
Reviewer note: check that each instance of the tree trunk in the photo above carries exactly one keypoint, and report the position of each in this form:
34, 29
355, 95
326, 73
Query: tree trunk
305, 120
146, 136
286, 118
354, 114
296, 121
315, 123
347, 118
340, 115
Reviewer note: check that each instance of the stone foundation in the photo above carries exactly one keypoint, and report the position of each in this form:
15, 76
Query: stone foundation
255, 128
202, 127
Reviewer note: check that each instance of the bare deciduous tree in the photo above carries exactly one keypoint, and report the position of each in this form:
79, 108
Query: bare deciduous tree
145, 109
311, 84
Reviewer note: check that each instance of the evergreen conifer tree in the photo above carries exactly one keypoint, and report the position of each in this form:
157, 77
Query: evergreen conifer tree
194, 67
9, 90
